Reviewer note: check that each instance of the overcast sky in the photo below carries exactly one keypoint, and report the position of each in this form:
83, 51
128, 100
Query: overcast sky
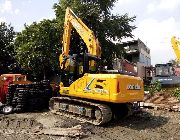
157, 20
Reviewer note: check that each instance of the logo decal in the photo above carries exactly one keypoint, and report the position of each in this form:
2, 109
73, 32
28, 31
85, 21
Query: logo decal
97, 90
87, 88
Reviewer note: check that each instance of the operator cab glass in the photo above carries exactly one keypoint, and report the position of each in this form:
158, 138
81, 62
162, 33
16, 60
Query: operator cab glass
164, 70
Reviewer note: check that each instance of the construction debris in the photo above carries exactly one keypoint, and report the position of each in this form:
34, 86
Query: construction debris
70, 132
161, 101
148, 124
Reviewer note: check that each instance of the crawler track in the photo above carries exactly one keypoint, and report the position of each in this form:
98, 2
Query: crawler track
85, 111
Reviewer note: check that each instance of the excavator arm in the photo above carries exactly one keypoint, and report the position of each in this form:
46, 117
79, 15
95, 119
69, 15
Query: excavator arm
71, 20
176, 45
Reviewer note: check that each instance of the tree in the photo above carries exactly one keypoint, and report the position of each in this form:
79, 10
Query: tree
7, 35
37, 48
97, 16
38, 45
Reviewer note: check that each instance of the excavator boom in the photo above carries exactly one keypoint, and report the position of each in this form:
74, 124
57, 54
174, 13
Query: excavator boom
175, 45
92, 43
71, 20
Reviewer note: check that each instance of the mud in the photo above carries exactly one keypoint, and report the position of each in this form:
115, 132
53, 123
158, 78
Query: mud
146, 125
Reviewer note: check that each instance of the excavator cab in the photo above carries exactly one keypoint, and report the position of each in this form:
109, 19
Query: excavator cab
165, 74
164, 70
76, 65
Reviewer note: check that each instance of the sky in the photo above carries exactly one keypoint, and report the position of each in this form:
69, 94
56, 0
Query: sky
156, 20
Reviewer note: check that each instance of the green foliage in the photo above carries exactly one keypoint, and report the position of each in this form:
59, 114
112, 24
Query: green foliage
106, 26
38, 48
154, 87
177, 93
7, 35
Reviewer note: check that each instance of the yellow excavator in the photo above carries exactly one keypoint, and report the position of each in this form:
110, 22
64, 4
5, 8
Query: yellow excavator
167, 74
91, 95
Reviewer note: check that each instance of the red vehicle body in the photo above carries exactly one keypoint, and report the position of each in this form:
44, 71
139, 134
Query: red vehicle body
6, 80
4, 88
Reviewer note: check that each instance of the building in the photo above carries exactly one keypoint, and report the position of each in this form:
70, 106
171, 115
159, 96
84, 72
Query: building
137, 52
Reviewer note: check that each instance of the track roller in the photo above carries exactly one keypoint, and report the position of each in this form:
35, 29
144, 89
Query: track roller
81, 110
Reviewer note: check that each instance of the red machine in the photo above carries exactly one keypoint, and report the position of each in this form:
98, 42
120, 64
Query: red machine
5, 81
4, 88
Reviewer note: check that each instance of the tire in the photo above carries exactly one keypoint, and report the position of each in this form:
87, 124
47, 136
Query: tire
21, 99
21, 102
7, 109
18, 110
20, 106
14, 103
22, 96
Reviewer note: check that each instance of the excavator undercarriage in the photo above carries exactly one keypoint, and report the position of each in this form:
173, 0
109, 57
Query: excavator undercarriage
82, 110
90, 111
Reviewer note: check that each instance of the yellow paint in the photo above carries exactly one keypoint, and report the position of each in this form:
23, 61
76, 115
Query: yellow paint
92, 43
106, 87
176, 45
114, 88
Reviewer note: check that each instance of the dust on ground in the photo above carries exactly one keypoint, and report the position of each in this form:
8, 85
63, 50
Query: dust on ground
148, 124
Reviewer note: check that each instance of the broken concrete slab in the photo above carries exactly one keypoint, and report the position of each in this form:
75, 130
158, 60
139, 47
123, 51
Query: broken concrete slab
70, 132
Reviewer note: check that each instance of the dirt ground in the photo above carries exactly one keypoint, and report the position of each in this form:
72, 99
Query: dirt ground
147, 125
